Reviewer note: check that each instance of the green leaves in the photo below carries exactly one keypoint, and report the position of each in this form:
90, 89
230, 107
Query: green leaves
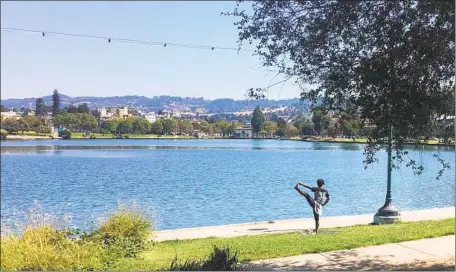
391, 62
257, 120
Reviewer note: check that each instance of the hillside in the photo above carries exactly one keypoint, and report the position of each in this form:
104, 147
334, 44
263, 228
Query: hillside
158, 102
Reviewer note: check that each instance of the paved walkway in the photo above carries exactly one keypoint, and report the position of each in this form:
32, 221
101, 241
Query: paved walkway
367, 258
294, 225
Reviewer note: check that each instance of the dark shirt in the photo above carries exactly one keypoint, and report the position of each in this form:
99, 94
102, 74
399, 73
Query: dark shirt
320, 195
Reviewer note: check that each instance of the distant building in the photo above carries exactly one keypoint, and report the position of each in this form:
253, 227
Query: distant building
176, 113
151, 117
200, 110
123, 112
11, 114
244, 132
198, 133
108, 113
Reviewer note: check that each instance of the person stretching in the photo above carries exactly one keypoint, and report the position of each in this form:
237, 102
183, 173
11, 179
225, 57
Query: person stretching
321, 198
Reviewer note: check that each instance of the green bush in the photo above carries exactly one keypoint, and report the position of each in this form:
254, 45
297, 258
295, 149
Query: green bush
44, 248
124, 232
3, 134
66, 134
44, 245
219, 260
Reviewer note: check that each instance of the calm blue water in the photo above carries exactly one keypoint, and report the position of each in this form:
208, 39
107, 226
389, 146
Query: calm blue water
214, 182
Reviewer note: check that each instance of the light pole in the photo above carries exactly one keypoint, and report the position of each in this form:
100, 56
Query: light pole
388, 214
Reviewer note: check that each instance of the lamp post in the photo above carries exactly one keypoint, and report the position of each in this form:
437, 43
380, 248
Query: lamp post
388, 214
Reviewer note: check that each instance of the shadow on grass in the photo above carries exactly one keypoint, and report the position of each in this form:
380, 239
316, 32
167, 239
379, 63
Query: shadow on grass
349, 260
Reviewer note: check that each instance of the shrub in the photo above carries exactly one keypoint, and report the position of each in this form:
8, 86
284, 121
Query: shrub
219, 260
3, 134
44, 248
124, 232
46, 243
66, 134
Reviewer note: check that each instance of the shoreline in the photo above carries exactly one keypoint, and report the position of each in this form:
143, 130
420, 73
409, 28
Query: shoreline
292, 225
39, 138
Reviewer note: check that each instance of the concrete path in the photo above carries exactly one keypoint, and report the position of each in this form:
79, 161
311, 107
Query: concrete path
367, 258
294, 225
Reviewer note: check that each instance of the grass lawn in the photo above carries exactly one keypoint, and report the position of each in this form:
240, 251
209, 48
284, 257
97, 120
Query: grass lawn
30, 133
79, 135
258, 247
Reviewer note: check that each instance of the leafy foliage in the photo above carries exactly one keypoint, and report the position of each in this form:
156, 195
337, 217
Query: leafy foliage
46, 244
40, 107
391, 62
257, 120
55, 103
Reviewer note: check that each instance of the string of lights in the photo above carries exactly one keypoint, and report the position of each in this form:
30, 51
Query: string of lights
123, 40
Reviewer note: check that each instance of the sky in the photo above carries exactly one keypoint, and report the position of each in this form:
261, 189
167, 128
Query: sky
33, 65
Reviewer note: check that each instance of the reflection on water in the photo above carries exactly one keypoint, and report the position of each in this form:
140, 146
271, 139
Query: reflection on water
40, 148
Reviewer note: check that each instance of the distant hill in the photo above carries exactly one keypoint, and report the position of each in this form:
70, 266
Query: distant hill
158, 102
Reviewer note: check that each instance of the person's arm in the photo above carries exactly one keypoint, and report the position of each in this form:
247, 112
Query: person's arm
305, 185
327, 198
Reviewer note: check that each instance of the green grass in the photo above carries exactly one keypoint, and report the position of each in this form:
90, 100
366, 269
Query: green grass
80, 135
30, 133
259, 247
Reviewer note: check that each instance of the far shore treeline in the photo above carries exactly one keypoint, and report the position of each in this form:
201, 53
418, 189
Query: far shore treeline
82, 119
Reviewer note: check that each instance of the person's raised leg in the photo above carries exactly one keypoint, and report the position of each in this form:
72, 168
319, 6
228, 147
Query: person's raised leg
306, 196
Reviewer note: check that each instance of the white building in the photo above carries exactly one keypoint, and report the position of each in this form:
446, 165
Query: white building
107, 113
10, 114
176, 113
244, 132
150, 117
123, 111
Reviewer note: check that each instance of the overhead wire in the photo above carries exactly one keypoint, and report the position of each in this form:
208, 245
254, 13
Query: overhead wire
124, 40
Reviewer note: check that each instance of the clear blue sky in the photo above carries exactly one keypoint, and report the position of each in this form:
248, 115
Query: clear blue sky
33, 66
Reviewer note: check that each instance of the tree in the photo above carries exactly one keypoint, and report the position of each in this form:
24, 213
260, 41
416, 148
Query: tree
3, 108
204, 126
281, 128
55, 103
390, 61
40, 107
141, 125
320, 121
110, 125
185, 126
32, 122
292, 131
257, 120
307, 128
125, 126
86, 122
83, 108
169, 126
11, 125
157, 127
270, 127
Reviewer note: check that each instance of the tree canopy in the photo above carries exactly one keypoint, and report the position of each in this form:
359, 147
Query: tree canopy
55, 103
40, 107
257, 120
390, 62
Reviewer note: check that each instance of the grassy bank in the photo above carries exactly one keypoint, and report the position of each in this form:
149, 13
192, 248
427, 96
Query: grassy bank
119, 243
159, 255
80, 135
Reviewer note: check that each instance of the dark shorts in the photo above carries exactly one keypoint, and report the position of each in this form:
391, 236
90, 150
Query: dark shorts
311, 202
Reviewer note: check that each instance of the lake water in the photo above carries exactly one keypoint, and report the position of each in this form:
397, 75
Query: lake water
190, 183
